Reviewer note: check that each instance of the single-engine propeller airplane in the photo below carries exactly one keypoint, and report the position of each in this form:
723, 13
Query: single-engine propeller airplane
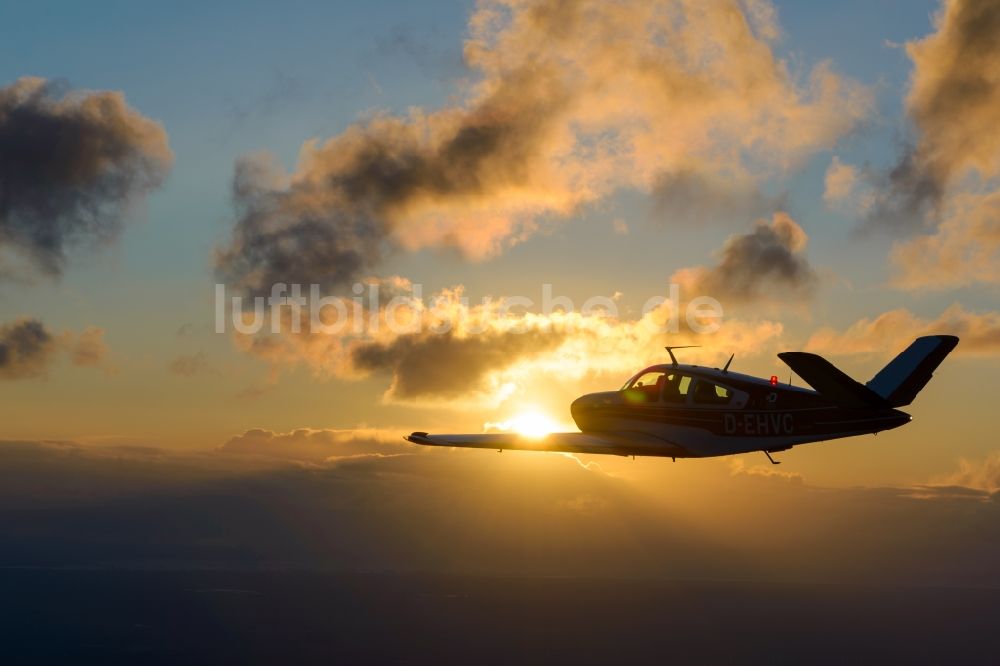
687, 411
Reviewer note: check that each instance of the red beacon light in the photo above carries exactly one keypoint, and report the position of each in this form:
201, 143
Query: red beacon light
774, 380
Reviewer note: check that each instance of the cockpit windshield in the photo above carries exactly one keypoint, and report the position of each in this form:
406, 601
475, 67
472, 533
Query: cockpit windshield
646, 387
657, 386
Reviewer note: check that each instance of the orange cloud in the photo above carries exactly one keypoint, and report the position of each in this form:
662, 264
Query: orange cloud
839, 183
964, 249
891, 331
981, 475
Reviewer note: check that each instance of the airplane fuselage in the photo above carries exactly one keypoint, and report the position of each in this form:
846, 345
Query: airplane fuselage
738, 414
687, 411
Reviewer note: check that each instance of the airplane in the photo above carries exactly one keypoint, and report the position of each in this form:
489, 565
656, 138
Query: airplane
686, 411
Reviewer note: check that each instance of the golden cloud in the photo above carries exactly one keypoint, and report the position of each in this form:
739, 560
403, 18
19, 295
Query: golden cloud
449, 350
891, 331
572, 100
964, 249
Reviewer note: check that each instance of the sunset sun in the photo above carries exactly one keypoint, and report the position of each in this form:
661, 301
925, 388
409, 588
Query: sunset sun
533, 424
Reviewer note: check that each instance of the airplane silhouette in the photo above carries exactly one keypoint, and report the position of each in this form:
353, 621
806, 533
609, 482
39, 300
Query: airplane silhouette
687, 411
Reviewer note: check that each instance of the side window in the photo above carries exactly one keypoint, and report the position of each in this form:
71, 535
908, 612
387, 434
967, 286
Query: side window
675, 388
707, 393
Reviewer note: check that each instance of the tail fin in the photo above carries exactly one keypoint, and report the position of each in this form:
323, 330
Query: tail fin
900, 381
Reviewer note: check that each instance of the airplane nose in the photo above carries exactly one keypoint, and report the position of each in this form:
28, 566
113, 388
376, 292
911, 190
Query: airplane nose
583, 403
586, 409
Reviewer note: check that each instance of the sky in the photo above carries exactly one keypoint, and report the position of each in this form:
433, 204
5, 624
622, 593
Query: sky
827, 171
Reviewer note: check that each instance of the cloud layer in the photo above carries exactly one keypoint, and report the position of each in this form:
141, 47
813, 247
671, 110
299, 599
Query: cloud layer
315, 445
71, 165
571, 101
477, 512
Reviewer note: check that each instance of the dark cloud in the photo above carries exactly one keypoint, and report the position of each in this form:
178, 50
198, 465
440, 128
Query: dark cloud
907, 197
284, 236
70, 166
26, 348
445, 365
769, 263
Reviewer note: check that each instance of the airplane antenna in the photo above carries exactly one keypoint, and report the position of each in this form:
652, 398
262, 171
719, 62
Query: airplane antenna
670, 350
726, 367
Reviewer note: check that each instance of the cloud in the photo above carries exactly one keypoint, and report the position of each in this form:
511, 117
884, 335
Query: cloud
476, 512
690, 198
982, 475
963, 250
445, 365
448, 349
840, 182
71, 165
769, 263
315, 445
26, 348
954, 97
570, 101
89, 348
890, 332
954, 103
189, 365
737, 467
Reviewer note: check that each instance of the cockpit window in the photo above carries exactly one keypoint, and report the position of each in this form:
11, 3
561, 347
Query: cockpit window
646, 387
707, 393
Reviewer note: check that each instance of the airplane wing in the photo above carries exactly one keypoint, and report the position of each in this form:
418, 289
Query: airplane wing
619, 444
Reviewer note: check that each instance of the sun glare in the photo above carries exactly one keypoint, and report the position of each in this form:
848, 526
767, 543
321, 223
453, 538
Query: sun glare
532, 424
